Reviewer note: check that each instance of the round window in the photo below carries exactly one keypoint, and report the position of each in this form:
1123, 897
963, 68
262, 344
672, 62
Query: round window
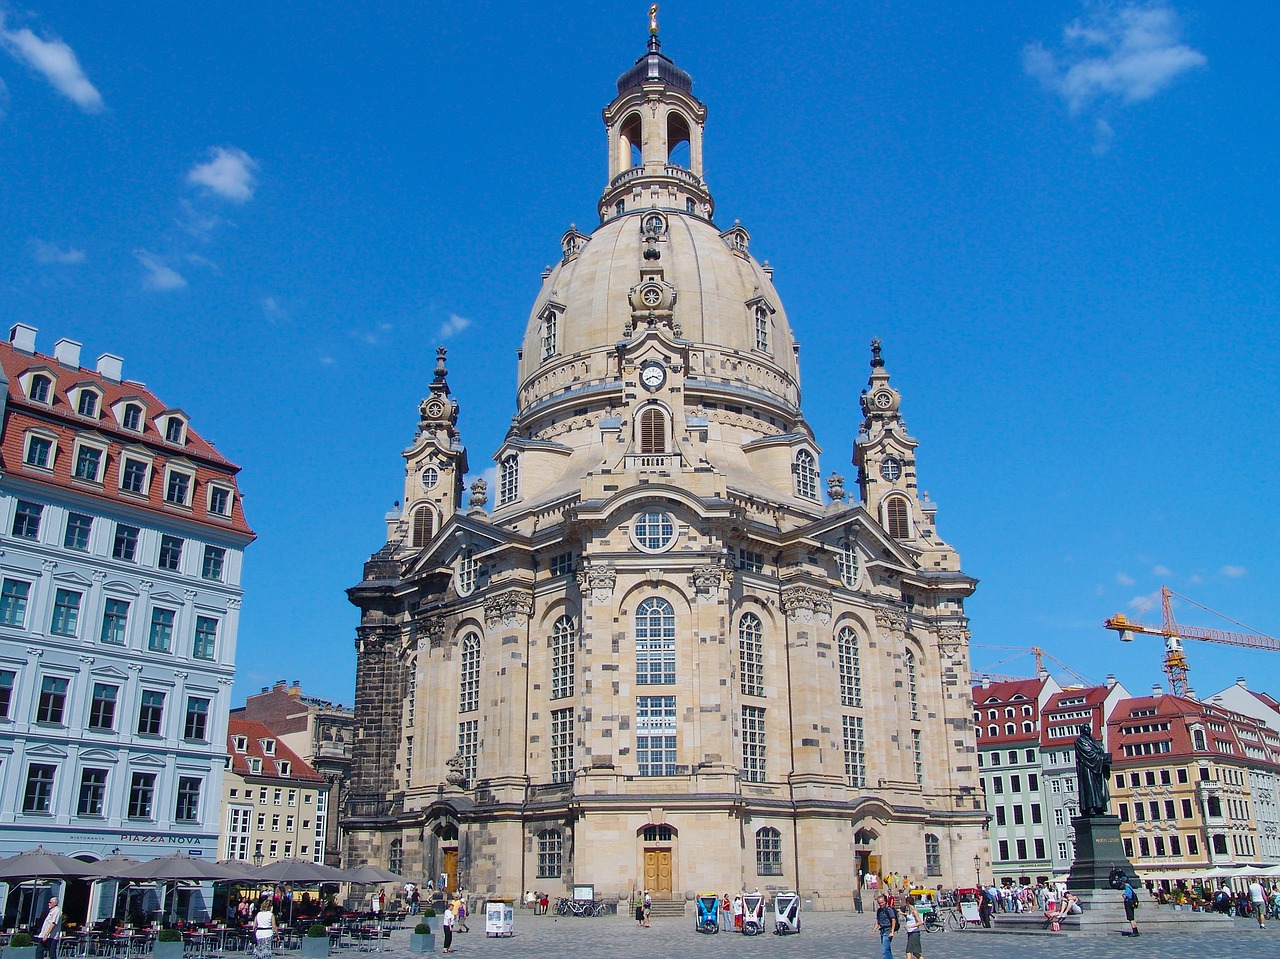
653, 531
891, 469
430, 477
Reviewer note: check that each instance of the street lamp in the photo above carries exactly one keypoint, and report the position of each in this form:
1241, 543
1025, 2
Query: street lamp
257, 858
977, 869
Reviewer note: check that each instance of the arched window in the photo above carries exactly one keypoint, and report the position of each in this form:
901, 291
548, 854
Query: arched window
895, 518
653, 432
909, 664
563, 651
550, 854
677, 140
132, 419
806, 470
395, 856
847, 563
469, 674
932, 855
768, 852
508, 479
630, 143
1197, 739
424, 525
751, 654
40, 389
850, 667
464, 579
655, 643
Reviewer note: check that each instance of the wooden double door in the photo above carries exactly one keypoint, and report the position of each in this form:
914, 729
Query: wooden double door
657, 872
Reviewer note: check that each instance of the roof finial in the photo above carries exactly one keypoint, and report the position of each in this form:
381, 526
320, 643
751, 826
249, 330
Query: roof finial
876, 361
441, 372
654, 44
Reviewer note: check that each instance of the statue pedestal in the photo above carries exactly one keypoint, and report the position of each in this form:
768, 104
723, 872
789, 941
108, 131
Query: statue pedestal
1098, 851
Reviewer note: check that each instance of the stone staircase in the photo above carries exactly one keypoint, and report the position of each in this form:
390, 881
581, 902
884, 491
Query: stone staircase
667, 909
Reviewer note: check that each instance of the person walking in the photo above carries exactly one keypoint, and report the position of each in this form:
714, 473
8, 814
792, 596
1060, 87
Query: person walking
886, 925
648, 908
264, 930
912, 923
1258, 900
1130, 905
640, 911
50, 931
446, 924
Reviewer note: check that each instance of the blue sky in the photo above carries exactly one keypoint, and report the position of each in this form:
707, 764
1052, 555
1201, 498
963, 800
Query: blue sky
1060, 219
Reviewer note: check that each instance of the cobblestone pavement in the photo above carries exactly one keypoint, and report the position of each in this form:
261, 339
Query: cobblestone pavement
823, 935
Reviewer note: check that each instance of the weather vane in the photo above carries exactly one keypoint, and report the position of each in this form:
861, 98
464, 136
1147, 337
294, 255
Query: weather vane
653, 20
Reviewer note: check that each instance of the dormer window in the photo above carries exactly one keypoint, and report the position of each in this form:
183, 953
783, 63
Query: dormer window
255, 765
40, 389
87, 405
175, 429
508, 479
220, 498
805, 468
548, 332
268, 746
89, 460
41, 448
240, 743
131, 418
283, 767
762, 328
177, 486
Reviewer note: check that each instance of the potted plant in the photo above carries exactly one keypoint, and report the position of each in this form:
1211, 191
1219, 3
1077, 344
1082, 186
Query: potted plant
168, 944
315, 944
21, 946
422, 939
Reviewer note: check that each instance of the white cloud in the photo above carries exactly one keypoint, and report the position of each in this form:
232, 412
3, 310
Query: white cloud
1124, 579
159, 275
203, 261
48, 253
272, 310
1234, 572
4, 100
56, 62
327, 361
1164, 572
1144, 602
228, 173
1103, 136
452, 326
196, 222
1128, 53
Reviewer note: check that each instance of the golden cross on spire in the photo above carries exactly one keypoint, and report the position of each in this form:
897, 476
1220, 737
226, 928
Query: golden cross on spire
653, 20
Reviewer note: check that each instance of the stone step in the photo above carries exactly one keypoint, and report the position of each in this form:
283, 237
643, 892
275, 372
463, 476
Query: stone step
668, 908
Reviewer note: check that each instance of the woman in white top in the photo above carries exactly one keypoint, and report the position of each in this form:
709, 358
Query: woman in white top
264, 930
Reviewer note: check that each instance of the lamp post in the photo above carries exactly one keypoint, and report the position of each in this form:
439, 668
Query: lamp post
257, 858
977, 869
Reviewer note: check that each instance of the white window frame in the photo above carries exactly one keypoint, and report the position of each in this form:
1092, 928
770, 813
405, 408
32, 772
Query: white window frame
47, 436
805, 467
121, 410
143, 456
102, 446
508, 479
28, 381
96, 393
169, 420
209, 489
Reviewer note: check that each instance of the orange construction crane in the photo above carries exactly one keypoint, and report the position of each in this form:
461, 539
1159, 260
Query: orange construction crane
1175, 657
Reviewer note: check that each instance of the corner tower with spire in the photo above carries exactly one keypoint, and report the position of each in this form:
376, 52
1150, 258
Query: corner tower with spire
663, 659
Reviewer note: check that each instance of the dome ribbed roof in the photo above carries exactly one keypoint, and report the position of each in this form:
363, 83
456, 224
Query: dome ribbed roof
655, 65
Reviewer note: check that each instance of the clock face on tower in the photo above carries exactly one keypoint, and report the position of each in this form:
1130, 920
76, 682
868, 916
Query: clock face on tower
652, 375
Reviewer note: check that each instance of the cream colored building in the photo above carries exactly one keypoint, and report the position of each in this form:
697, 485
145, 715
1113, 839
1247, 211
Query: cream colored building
664, 658
273, 802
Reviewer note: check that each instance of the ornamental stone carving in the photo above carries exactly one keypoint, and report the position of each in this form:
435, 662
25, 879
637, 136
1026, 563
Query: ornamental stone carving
598, 580
432, 631
456, 776
714, 578
507, 608
891, 622
951, 638
805, 604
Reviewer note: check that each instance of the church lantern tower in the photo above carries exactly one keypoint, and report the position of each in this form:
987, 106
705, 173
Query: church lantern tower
666, 655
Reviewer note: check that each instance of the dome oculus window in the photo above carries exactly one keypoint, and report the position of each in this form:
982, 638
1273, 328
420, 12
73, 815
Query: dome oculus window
654, 531
430, 477
891, 468
654, 224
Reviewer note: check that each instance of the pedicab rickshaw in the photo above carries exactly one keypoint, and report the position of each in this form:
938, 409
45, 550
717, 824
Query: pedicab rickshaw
786, 913
708, 913
752, 914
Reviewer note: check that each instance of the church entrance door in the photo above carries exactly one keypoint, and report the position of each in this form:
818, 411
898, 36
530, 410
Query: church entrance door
657, 872
451, 868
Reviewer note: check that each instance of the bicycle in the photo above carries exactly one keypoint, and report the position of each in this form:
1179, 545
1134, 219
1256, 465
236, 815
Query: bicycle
933, 922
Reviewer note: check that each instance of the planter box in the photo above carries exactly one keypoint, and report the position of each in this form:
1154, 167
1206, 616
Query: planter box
315, 947
167, 950
422, 942
19, 952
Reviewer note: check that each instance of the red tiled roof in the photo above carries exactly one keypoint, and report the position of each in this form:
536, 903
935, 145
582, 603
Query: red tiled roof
1235, 728
255, 732
62, 419
1090, 698
1019, 692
